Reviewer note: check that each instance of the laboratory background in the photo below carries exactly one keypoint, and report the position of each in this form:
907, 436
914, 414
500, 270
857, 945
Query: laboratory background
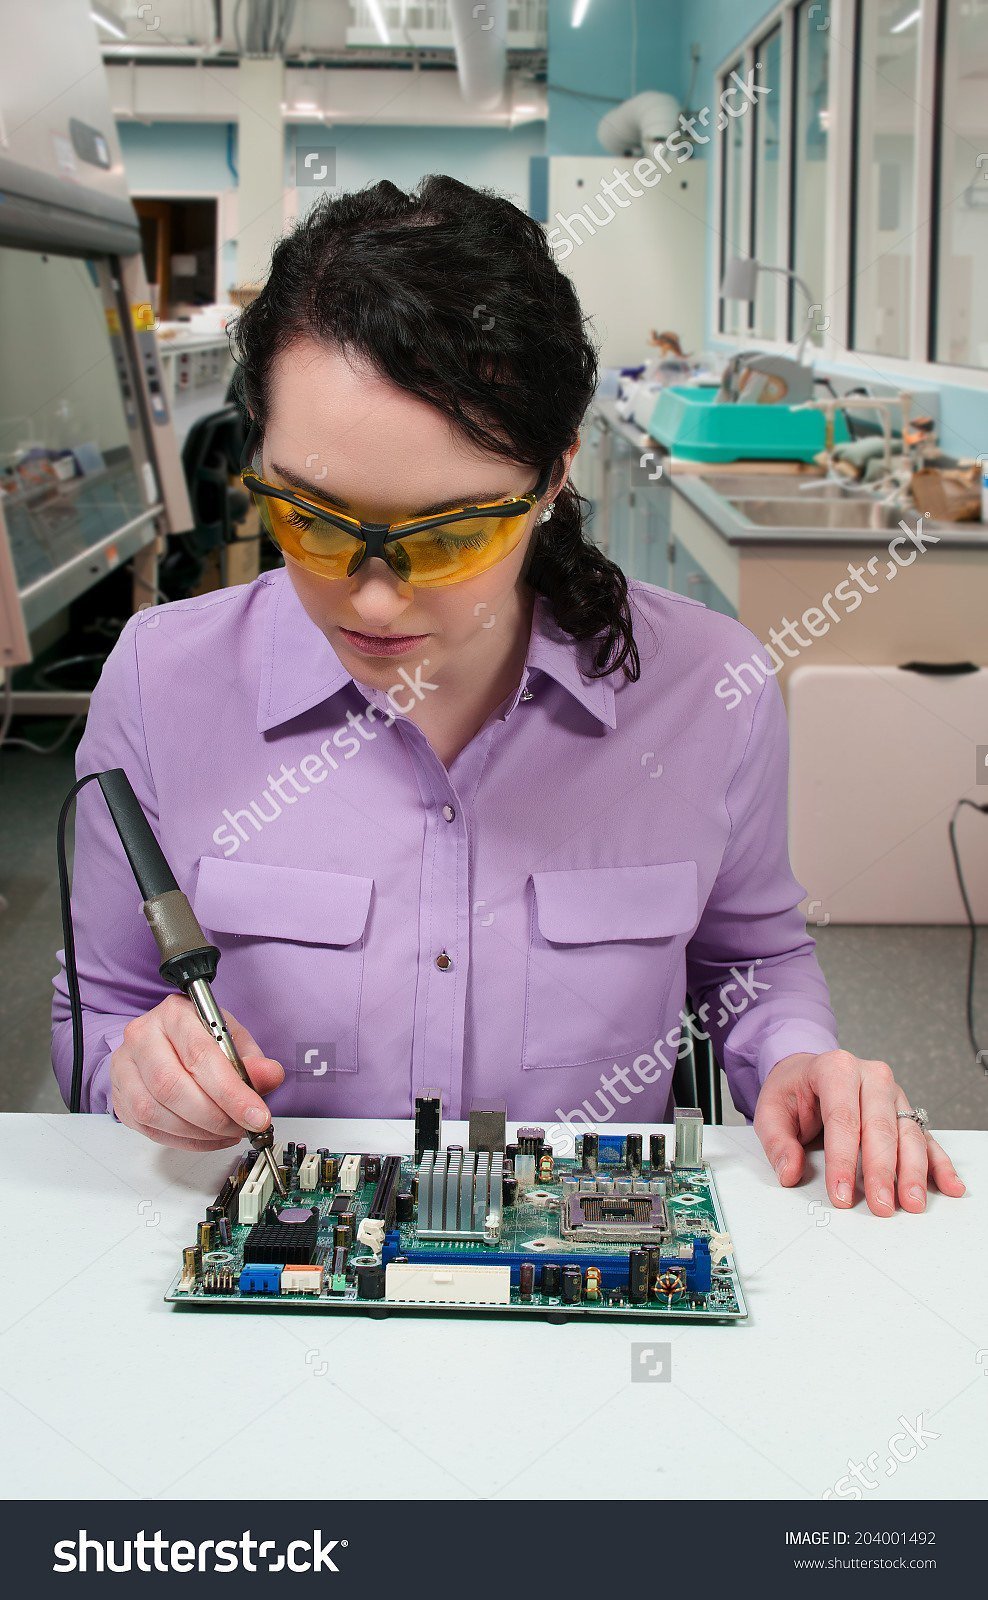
776, 217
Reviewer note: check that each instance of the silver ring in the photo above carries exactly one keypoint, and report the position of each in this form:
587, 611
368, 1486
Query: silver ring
919, 1116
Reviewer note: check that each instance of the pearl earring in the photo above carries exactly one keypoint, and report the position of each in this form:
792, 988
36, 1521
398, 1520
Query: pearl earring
546, 514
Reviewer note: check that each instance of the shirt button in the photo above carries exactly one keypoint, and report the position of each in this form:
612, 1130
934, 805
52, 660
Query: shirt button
444, 961
526, 694
449, 813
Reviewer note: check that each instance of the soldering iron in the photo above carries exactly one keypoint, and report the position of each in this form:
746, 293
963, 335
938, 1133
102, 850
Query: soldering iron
188, 960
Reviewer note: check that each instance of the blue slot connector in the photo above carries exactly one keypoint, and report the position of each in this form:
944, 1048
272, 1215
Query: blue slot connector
260, 1279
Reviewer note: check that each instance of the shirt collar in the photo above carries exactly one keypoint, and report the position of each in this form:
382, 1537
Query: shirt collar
299, 667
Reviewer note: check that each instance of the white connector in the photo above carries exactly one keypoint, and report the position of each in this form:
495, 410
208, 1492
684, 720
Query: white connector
301, 1280
258, 1188
308, 1172
349, 1180
427, 1283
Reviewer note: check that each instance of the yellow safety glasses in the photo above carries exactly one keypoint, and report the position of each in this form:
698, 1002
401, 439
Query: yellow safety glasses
425, 551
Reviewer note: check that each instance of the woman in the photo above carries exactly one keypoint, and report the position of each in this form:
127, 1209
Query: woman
457, 802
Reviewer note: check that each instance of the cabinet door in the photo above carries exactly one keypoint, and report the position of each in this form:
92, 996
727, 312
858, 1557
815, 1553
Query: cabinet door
690, 579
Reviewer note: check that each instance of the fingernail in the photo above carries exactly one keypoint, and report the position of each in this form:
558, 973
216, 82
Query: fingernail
256, 1118
918, 1193
781, 1165
844, 1193
884, 1198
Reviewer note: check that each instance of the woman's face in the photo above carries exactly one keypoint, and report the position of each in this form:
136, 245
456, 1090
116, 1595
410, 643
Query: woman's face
369, 448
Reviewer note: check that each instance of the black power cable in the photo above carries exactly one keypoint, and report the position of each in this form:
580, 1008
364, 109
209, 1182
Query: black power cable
980, 1056
71, 970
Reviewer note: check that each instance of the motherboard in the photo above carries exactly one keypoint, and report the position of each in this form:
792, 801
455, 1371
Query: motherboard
622, 1229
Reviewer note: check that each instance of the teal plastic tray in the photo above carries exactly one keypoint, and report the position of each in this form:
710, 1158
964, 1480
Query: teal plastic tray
690, 425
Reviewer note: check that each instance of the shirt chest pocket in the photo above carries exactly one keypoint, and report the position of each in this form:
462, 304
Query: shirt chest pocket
292, 940
604, 947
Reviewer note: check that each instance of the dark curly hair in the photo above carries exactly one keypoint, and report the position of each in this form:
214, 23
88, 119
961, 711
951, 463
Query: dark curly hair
453, 295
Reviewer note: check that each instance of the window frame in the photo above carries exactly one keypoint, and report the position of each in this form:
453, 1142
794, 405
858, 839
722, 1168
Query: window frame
840, 197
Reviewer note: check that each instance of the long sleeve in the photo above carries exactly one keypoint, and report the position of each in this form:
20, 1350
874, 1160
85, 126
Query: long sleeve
115, 953
751, 968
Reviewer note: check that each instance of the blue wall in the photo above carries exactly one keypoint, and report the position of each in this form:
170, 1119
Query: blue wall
495, 158
192, 158
596, 59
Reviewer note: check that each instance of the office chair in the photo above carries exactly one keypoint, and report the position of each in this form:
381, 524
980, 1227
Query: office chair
696, 1079
210, 457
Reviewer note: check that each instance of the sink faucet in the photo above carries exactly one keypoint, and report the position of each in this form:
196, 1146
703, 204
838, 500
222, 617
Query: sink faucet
891, 485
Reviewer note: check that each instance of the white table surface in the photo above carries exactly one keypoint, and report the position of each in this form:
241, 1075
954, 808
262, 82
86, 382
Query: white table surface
108, 1393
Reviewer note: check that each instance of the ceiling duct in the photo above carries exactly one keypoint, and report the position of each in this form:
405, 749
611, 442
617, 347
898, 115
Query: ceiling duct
480, 39
633, 128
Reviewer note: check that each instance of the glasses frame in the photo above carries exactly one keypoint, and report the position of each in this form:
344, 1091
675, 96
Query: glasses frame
376, 536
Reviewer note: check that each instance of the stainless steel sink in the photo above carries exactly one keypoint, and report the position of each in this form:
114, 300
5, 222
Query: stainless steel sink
783, 486
769, 485
814, 511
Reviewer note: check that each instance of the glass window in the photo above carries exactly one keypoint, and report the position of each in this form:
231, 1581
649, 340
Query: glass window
962, 244
766, 246
67, 474
811, 126
733, 313
885, 222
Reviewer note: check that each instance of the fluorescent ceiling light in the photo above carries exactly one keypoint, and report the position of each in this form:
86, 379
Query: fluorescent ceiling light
906, 21
580, 9
377, 17
105, 18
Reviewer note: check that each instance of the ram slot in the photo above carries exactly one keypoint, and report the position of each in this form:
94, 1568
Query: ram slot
386, 1194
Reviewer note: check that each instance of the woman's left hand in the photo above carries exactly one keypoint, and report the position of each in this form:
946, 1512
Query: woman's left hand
855, 1103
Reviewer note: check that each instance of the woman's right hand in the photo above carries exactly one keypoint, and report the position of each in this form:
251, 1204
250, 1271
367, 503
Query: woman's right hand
172, 1082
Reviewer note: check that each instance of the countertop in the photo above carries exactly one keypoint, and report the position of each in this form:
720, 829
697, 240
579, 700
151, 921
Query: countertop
858, 1327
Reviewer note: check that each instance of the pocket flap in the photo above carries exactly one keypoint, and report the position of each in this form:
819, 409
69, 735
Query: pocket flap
299, 903
594, 905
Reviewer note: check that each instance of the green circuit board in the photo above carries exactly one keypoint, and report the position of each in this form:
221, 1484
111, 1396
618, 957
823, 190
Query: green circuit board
517, 1235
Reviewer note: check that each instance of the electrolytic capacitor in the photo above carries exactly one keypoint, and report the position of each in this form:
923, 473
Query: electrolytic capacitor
633, 1152
653, 1254
342, 1237
657, 1151
551, 1278
509, 1189
329, 1171
370, 1280
404, 1206
572, 1285
300, 1150
590, 1149
638, 1277
526, 1280
348, 1219
207, 1236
